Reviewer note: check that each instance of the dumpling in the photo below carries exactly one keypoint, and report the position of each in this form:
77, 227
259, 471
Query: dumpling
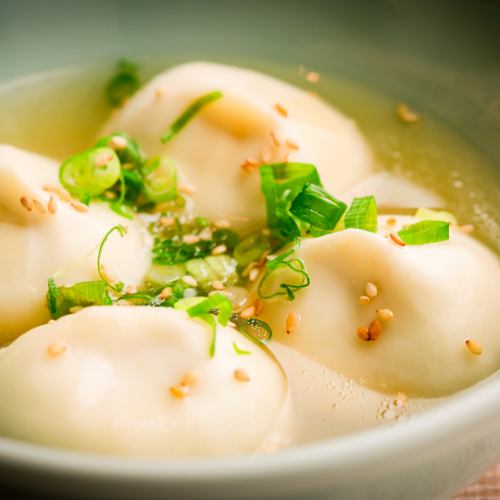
138, 381
36, 245
248, 122
439, 295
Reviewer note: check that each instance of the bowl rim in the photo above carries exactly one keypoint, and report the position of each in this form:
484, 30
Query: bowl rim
477, 407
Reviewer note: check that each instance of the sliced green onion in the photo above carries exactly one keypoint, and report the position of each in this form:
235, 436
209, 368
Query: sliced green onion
90, 173
428, 214
256, 330
239, 351
251, 249
294, 267
362, 214
316, 207
426, 231
123, 84
193, 109
160, 179
130, 153
212, 268
162, 276
280, 184
61, 300
117, 287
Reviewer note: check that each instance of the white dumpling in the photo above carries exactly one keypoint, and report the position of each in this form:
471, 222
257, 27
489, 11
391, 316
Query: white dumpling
440, 295
212, 148
101, 380
36, 245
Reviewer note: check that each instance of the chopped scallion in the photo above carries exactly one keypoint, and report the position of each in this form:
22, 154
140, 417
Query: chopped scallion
425, 231
239, 351
117, 287
362, 214
123, 84
251, 249
160, 179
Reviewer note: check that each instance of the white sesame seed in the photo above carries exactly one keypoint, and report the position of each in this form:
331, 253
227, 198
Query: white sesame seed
79, 207
190, 239
363, 299
56, 348
222, 224
26, 203
165, 293
39, 207
206, 234
219, 249
385, 314
292, 321
371, 290
118, 142
217, 285
248, 312
52, 206
189, 280
186, 189
253, 274
241, 375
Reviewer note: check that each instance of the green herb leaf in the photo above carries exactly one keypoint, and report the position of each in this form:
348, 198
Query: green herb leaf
239, 351
251, 249
160, 179
123, 84
189, 114
61, 300
426, 231
316, 207
117, 287
90, 173
362, 214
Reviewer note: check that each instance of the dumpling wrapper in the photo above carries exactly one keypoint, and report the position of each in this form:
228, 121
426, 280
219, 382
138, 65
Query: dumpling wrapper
210, 150
440, 295
35, 246
109, 390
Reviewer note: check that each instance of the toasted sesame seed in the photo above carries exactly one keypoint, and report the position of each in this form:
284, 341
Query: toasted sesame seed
396, 239
39, 207
52, 206
292, 322
248, 312
56, 348
167, 221
189, 280
186, 189
118, 142
179, 391
375, 329
130, 289
241, 375
312, 77
275, 139
217, 285
222, 224
474, 346
362, 333
371, 290
79, 207
249, 164
108, 274
280, 109
253, 274
391, 221
406, 115
219, 249
206, 234
467, 228
26, 203
190, 239
364, 299
165, 293
189, 379
385, 314
59, 191
292, 144
259, 307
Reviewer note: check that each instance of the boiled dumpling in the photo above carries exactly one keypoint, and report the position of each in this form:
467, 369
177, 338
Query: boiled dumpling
138, 381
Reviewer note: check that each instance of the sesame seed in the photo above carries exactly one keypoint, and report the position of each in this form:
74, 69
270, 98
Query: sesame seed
396, 239
189, 280
56, 348
190, 239
375, 329
292, 322
292, 144
108, 274
248, 312
79, 207
159, 92
118, 142
249, 165
474, 346
189, 379
179, 391
391, 221
466, 228
219, 249
59, 191
206, 234
253, 274
275, 139
39, 207
26, 203
222, 224
217, 285
363, 299
362, 333
280, 109
186, 189
371, 290
385, 314
103, 159
241, 375
406, 115
312, 77
259, 307
52, 206
167, 221
165, 293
